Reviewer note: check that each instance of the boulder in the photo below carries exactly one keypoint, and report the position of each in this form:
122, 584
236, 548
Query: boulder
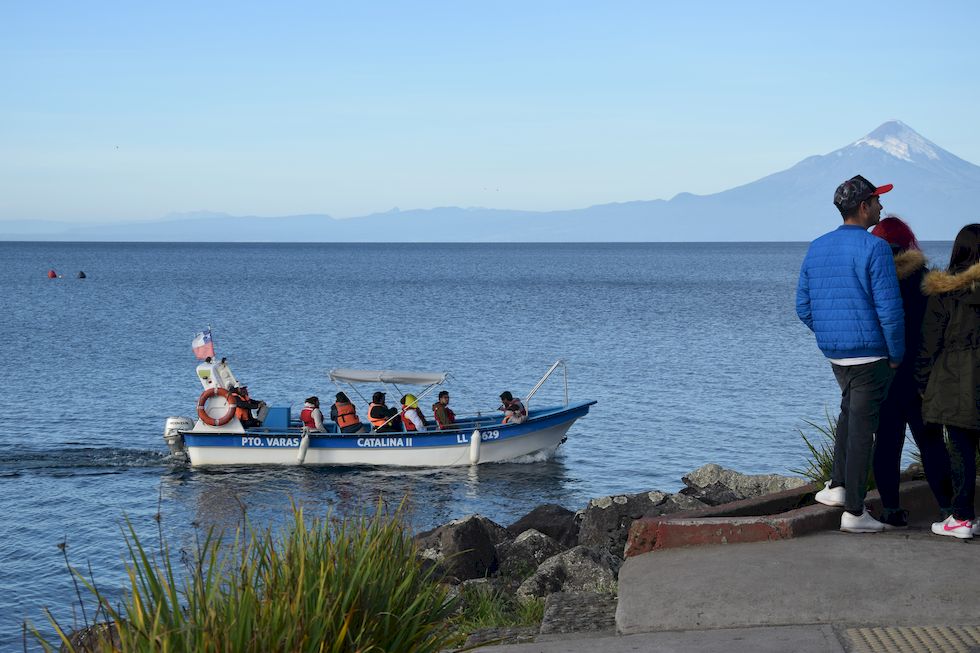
605, 522
582, 569
519, 558
573, 612
464, 548
551, 519
715, 485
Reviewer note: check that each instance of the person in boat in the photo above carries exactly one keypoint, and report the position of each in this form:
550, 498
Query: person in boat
514, 411
311, 415
412, 417
245, 407
444, 415
382, 418
345, 416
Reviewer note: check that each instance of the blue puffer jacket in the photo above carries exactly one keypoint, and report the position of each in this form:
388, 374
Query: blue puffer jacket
848, 295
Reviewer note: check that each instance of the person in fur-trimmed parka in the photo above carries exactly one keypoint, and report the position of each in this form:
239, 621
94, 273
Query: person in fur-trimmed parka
948, 370
903, 406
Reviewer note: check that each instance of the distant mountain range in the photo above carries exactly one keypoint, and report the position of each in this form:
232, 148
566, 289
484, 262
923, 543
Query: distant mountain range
935, 191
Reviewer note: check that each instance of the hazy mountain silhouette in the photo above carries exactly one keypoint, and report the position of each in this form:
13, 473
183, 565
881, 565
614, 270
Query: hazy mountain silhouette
934, 190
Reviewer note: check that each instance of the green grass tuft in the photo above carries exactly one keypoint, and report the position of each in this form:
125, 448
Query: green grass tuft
314, 585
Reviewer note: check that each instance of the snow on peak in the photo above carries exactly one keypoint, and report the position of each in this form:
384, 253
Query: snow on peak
901, 141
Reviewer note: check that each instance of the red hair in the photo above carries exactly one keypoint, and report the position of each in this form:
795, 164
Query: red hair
896, 233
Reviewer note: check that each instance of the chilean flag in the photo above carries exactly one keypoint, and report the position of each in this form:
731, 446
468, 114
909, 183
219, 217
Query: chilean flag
203, 346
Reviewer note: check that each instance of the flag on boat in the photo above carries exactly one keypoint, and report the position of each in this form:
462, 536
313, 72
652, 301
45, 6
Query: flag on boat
203, 345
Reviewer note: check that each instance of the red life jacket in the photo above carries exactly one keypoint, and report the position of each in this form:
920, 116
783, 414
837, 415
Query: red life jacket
346, 415
449, 413
307, 417
409, 424
516, 406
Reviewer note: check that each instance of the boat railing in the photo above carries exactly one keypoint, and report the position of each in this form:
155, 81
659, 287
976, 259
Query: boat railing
558, 363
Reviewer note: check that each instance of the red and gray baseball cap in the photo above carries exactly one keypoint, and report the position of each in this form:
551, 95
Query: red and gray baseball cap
855, 190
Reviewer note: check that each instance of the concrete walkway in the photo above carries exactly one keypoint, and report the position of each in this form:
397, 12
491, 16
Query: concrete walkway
829, 591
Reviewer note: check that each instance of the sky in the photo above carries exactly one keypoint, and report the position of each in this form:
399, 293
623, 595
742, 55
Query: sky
117, 111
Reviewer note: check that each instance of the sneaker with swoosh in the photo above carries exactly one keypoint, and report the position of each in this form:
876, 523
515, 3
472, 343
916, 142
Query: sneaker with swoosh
953, 527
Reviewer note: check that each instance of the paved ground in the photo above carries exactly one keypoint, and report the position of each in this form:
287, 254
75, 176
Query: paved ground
905, 590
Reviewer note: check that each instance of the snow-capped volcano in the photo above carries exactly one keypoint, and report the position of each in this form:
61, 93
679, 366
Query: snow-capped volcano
936, 192
901, 141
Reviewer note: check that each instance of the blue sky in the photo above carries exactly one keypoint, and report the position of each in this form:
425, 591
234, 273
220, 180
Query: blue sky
121, 110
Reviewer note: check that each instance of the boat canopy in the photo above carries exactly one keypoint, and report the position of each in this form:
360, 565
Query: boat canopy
387, 376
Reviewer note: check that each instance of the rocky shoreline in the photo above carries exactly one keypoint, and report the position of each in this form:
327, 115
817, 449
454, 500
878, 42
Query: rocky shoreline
571, 559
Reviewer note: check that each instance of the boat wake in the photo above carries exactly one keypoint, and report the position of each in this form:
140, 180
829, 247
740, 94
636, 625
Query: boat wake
76, 461
536, 457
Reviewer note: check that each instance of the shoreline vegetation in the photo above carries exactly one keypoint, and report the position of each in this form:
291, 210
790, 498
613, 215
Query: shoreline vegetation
367, 584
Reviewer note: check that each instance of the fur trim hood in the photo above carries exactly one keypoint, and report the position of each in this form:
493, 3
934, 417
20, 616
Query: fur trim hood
908, 263
940, 282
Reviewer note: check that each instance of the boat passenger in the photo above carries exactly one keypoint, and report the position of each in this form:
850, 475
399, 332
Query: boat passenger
245, 407
382, 418
311, 415
345, 415
445, 417
514, 410
412, 417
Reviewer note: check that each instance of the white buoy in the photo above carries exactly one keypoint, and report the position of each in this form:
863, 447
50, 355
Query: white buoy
475, 447
303, 446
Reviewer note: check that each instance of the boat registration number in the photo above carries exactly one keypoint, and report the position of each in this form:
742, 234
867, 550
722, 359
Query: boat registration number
462, 438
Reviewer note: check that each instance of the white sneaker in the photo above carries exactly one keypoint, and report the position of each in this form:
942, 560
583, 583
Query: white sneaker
976, 527
864, 523
831, 496
961, 528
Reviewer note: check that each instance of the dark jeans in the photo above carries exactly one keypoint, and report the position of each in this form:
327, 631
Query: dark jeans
963, 451
863, 388
903, 407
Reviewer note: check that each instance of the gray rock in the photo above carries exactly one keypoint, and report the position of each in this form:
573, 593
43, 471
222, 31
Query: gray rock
582, 569
715, 485
511, 635
519, 558
551, 519
93, 639
573, 612
463, 548
605, 521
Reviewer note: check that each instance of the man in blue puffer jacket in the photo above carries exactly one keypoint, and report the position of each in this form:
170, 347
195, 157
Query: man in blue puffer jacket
849, 296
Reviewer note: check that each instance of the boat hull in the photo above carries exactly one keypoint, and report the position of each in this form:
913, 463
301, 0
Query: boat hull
543, 432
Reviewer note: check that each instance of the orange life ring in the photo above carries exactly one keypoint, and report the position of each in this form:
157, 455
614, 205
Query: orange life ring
203, 399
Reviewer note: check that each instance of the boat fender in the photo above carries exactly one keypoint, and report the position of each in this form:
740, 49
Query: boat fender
304, 445
475, 447
202, 413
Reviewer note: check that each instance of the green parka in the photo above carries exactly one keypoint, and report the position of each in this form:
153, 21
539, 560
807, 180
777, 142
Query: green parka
948, 365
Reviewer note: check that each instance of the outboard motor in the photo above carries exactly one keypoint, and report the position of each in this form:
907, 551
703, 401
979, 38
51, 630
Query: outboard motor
171, 433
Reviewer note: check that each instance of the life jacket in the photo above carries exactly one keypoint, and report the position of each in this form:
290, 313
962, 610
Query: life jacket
307, 416
516, 406
449, 413
346, 415
409, 424
242, 412
376, 422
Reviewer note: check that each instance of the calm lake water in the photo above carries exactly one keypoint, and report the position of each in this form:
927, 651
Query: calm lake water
693, 352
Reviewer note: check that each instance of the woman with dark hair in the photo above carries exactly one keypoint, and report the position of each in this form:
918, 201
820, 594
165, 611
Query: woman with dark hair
948, 370
903, 406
